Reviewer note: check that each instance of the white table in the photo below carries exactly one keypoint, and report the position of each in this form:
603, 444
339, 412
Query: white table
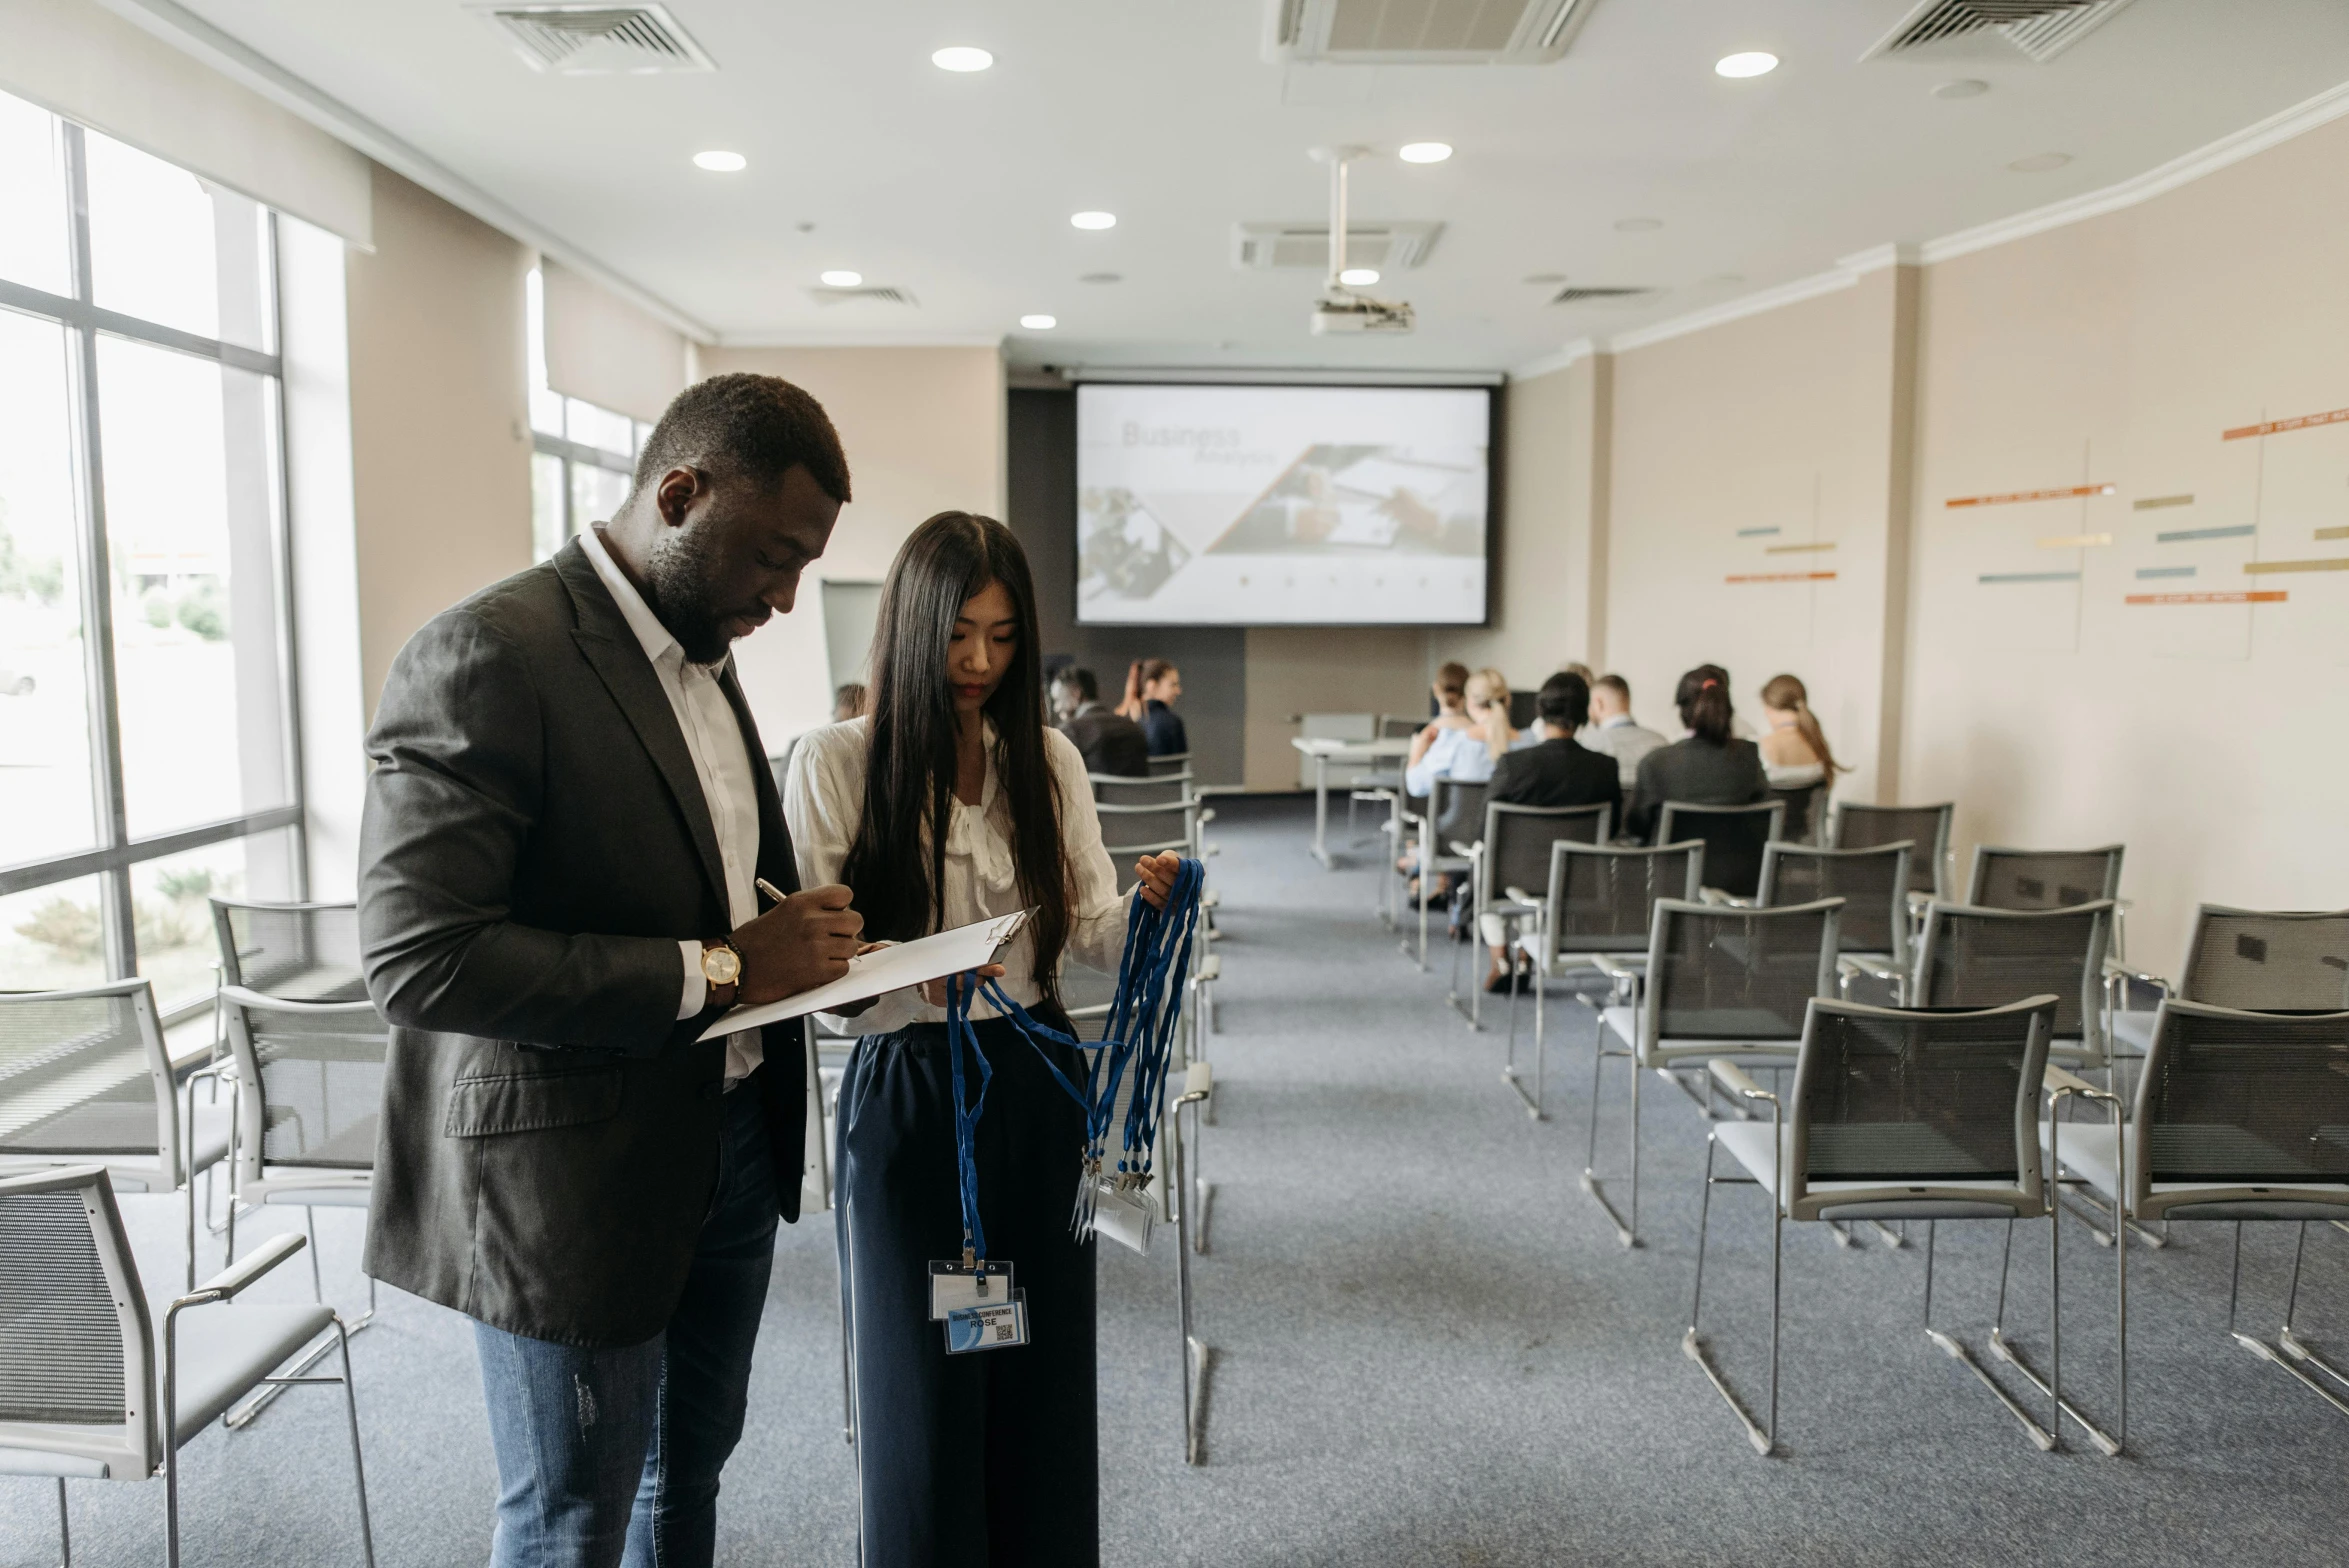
1325, 750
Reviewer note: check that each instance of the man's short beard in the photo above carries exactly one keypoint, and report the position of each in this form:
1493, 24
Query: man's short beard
682, 583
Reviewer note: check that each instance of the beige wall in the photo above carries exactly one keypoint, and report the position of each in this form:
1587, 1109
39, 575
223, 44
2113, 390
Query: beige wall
924, 429
440, 445
1293, 670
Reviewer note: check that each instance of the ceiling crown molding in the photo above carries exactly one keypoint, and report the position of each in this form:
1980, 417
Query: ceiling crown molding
191, 34
1566, 358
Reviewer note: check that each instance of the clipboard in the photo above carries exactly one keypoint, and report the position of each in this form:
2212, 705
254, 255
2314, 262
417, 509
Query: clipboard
890, 968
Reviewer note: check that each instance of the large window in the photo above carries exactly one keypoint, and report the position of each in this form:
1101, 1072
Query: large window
147, 753
581, 455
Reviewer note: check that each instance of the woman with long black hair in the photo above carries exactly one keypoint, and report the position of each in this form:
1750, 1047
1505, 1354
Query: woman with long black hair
951, 802
1709, 766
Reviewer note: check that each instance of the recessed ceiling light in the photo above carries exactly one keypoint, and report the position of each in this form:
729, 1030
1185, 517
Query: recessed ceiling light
1545, 277
841, 278
1638, 225
1752, 62
962, 57
721, 162
1963, 87
1358, 277
1039, 323
2040, 162
1425, 152
1093, 220
1102, 277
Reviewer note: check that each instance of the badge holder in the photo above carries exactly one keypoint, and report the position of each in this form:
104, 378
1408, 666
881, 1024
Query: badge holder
998, 1327
955, 1286
1124, 1213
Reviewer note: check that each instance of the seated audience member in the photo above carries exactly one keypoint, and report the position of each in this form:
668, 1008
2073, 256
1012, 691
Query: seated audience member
1577, 667
848, 702
1554, 771
1110, 742
1795, 752
1465, 754
1451, 700
1152, 685
1612, 730
1708, 768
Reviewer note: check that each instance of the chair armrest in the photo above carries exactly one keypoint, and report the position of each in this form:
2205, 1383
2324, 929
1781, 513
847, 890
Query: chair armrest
1737, 1080
2058, 1081
1198, 1084
2114, 969
232, 1281
1210, 968
1859, 964
1518, 895
1473, 851
1721, 900
1615, 971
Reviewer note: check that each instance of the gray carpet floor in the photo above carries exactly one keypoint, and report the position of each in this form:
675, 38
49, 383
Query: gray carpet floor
1429, 1347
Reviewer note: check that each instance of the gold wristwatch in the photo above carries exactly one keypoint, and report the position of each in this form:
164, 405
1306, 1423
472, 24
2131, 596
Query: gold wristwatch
720, 963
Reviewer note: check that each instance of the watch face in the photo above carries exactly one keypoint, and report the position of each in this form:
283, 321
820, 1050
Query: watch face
721, 965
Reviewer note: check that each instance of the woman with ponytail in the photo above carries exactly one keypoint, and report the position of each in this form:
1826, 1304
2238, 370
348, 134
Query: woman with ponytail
948, 802
1795, 752
1152, 685
1710, 767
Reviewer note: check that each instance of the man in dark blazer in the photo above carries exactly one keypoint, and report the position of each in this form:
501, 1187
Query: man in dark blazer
1109, 742
1559, 771
564, 832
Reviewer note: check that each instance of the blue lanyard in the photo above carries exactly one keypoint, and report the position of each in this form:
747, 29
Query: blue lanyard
1139, 1042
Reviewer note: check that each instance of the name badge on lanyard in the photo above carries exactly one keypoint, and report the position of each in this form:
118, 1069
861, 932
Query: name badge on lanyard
988, 1328
954, 1286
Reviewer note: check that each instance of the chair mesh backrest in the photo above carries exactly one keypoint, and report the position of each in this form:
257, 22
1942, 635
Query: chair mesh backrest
1733, 838
2252, 1098
1722, 973
1154, 791
1517, 840
2043, 878
61, 1353
1799, 801
75, 1077
1887, 1095
1859, 826
302, 952
1605, 897
321, 1084
1459, 812
2269, 961
1172, 762
1872, 882
1988, 958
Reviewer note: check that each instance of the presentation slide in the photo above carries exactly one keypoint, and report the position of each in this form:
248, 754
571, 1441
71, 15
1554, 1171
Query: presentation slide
1281, 506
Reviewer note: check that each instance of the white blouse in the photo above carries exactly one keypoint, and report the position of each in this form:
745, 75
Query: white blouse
823, 804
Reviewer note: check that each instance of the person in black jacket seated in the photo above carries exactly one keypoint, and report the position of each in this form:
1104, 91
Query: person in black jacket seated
1710, 767
1152, 685
1557, 772
1109, 742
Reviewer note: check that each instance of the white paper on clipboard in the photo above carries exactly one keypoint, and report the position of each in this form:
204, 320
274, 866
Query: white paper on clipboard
884, 969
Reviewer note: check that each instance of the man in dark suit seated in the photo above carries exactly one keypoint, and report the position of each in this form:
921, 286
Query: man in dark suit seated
1557, 772
1110, 742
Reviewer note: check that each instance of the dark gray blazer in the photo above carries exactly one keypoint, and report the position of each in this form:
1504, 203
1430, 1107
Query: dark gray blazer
536, 844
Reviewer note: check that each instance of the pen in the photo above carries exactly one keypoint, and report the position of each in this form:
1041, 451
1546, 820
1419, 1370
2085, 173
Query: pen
768, 888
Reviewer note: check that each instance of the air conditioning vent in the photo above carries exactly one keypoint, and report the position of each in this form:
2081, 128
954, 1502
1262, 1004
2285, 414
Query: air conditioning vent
1423, 32
597, 40
863, 296
2041, 29
1583, 295
1388, 247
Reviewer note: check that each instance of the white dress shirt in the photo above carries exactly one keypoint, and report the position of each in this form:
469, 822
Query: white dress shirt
713, 737
824, 804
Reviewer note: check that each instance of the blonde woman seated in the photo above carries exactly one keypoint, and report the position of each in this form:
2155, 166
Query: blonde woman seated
1468, 753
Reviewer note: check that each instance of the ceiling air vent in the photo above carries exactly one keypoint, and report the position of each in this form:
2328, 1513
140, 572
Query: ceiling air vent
597, 40
1423, 32
1388, 247
2041, 29
862, 296
1579, 295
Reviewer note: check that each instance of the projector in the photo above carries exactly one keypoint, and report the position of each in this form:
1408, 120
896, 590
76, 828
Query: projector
1341, 311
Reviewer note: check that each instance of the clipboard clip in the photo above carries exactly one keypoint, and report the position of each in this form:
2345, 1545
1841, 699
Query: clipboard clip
1014, 924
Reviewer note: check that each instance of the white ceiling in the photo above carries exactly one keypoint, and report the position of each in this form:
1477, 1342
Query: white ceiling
958, 188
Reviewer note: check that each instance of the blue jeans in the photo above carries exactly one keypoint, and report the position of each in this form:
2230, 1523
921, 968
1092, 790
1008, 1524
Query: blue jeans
610, 1456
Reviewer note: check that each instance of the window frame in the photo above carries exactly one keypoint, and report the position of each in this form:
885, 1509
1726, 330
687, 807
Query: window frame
85, 322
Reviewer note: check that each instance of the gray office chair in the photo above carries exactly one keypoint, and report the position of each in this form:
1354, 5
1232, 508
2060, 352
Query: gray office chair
1893, 1115
1855, 825
2004, 878
302, 952
1733, 836
1157, 790
1873, 935
85, 1079
1513, 851
1988, 957
1380, 785
1129, 832
86, 1393
1722, 980
1172, 762
2237, 1116
2253, 960
1803, 817
1455, 809
1594, 919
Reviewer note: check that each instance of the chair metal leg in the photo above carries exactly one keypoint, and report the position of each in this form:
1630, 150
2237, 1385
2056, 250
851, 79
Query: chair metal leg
2295, 1357
1955, 1349
1625, 1231
358, 1460
1692, 1343
317, 1281
1197, 1356
64, 1527
2295, 1347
